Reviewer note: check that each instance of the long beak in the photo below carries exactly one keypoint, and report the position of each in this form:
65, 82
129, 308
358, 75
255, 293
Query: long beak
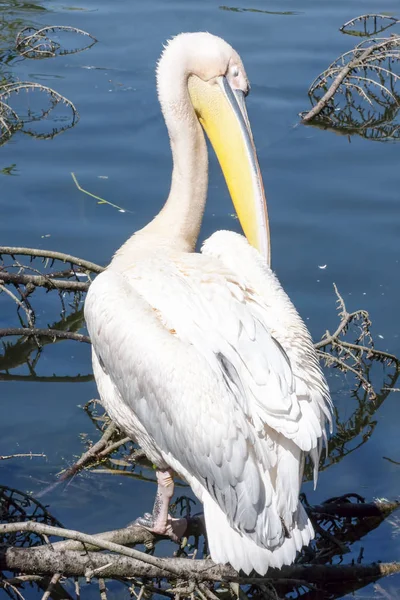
222, 113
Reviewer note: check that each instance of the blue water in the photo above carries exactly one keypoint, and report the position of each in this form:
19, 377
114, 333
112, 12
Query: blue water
333, 201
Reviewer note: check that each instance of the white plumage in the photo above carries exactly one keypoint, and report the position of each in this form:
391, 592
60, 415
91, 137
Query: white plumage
204, 361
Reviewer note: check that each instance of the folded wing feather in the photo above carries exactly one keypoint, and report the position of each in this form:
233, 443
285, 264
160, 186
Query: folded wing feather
184, 342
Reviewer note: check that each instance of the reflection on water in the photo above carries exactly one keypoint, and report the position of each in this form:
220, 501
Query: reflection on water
258, 10
332, 203
368, 25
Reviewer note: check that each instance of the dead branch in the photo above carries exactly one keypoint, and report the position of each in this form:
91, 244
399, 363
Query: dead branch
45, 560
331, 360
92, 454
44, 281
28, 455
84, 538
47, 333
356, 62
29, 313
40, 45
49, 254
52, 584
359, 510
135, 534
81, 555
95, 454
348, 355
359, 93
10, 121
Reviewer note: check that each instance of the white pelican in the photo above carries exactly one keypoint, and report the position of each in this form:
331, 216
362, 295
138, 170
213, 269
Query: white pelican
202, 358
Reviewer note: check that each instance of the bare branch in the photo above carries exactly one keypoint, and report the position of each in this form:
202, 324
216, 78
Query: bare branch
12, 251
45, 560
49, 530
355, 63
49, 333
39, 44
53, 582
18, 303
44, 281
97, 452
28, 455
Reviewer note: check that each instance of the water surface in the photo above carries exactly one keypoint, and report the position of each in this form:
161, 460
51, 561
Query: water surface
333, 201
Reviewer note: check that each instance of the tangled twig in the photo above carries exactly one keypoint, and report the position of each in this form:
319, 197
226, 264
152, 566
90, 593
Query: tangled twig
10, 121
96, 453
348, 356
359, 92
346, 66
36, 43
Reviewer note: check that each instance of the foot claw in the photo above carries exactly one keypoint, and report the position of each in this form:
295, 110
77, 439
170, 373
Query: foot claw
146, 521
174, 528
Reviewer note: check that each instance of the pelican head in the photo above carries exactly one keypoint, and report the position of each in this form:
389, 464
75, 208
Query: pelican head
209, 78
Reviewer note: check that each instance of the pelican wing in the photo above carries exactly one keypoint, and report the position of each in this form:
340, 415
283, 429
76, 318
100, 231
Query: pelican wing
278, 315
184, 345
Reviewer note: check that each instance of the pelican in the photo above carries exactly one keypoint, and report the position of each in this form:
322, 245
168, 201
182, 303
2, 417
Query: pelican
201, 358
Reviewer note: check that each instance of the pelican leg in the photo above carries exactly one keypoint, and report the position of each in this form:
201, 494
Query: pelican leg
160, 521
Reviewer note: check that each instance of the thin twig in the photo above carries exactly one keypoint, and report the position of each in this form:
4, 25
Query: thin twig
100, 200
44, 281
92, 453
353, 64
53, 582
330, 358
102, 589
12, 251
17, 301
28, 455
49, 333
